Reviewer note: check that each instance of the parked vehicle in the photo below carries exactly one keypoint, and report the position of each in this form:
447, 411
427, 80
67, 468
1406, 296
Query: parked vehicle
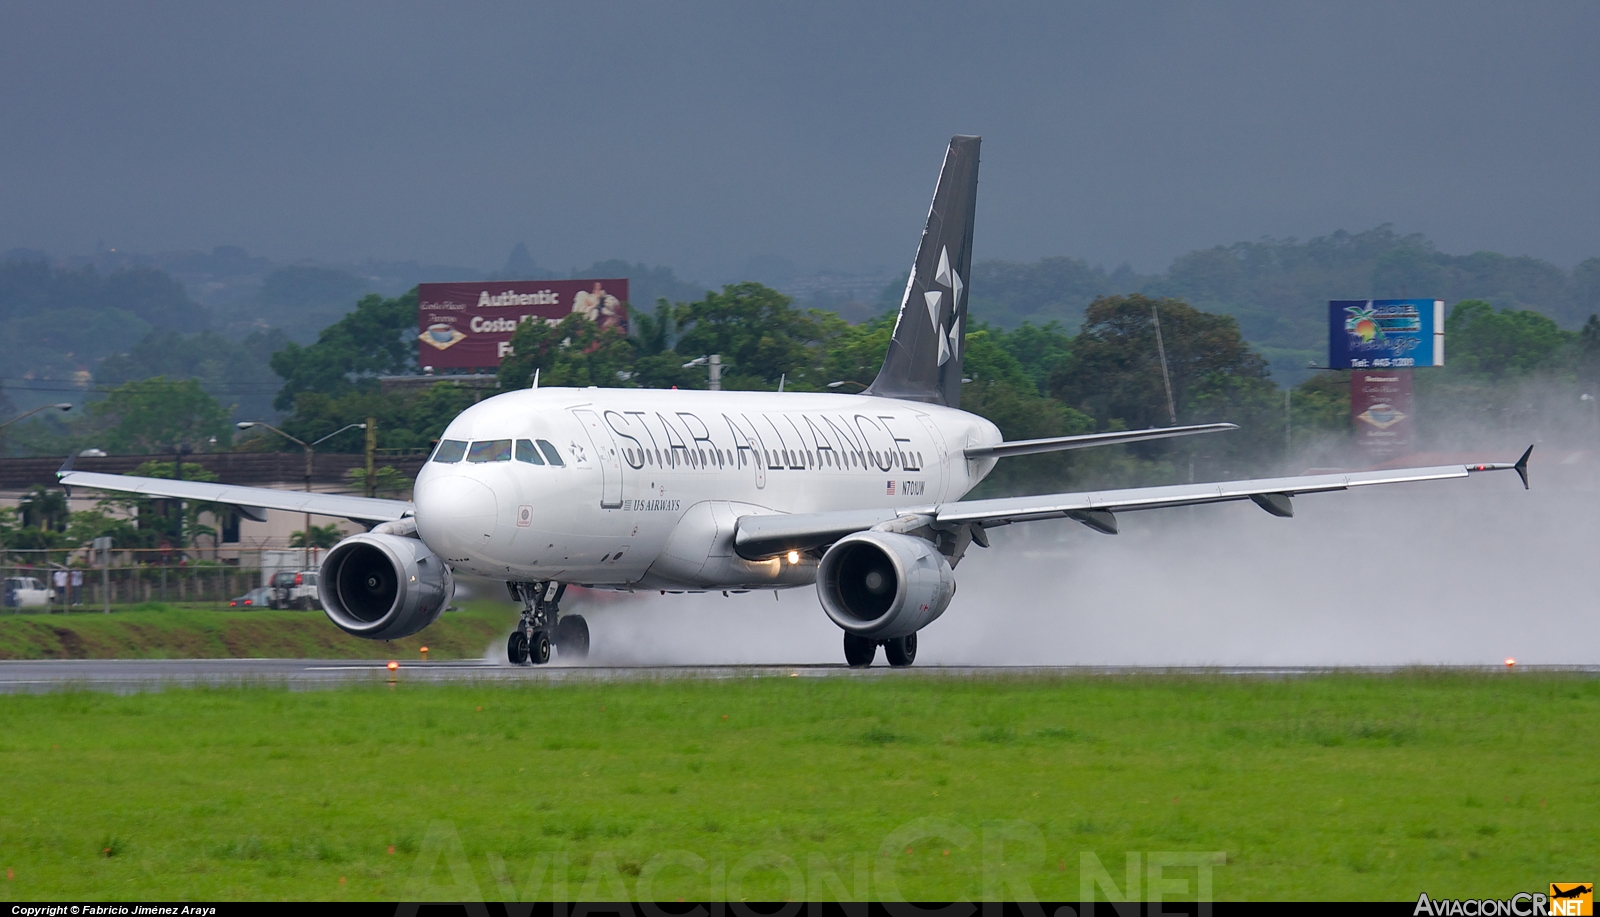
25, 592
255, 598
295, 589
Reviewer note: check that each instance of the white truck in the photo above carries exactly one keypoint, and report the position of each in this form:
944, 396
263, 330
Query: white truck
25, 592
295, 589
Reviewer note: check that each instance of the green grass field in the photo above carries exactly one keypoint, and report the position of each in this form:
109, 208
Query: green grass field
156, 630
1341, 786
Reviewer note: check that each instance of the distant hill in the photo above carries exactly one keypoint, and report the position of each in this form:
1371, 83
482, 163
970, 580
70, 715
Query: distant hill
1278, 289
61, 318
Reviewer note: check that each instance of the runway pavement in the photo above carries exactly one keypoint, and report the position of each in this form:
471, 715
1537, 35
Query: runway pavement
132, 675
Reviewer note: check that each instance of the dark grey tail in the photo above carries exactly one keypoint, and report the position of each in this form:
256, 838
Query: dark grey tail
924, 359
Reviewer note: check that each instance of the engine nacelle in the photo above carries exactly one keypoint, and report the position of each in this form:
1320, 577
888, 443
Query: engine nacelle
884, 585
383, 587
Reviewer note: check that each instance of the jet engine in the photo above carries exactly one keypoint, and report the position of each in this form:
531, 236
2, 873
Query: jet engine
884, 585
383, 587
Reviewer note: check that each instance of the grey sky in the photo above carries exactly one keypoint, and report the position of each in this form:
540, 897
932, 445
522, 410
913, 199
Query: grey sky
700, 135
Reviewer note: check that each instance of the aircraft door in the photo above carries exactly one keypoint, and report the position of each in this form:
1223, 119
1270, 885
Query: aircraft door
607, 458
934, 465
754, 453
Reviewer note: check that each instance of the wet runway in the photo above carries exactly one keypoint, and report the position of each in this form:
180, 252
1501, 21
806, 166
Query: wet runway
132, 675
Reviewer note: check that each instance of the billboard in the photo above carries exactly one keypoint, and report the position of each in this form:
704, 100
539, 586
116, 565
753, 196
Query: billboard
469, 325
1381, 412
1385, 333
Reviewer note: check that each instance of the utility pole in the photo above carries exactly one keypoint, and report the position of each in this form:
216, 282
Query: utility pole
178, 452
713, 362
1166, 380
1288, 422
310, 448
102, 551
372, 450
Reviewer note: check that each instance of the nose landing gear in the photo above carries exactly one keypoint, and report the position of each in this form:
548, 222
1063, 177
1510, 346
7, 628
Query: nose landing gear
530, 642
542, 627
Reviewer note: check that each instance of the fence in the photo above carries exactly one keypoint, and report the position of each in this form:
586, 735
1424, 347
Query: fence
207, 584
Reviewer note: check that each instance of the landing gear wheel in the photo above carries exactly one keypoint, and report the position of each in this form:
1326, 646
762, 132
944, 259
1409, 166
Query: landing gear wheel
572, 638
901, 651
539, 648
517, 648
859, 651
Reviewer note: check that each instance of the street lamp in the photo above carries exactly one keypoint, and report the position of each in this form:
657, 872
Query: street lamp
714, 361
63, 406
310, 448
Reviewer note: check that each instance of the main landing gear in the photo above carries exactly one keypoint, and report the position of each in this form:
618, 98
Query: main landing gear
542, 627
860, 651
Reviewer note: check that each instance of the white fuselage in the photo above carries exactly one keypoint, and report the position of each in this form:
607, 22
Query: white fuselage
652, 482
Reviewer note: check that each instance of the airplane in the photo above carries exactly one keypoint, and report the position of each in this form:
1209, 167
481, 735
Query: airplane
694, 491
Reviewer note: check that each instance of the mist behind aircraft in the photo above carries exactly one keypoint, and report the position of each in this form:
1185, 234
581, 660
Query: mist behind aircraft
1468, 572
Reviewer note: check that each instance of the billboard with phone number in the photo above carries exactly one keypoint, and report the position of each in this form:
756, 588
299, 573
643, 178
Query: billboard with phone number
1385, 333
469, 325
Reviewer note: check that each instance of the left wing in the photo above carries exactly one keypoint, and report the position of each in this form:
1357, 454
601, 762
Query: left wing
759, 537
250, 501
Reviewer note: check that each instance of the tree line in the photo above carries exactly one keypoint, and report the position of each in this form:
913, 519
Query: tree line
1512, 370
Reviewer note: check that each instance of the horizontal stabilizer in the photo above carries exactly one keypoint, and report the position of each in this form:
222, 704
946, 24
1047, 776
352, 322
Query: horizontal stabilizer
1087, 440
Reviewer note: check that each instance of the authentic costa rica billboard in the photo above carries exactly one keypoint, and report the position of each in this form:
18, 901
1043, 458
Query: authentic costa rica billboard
469, 325
1385, 333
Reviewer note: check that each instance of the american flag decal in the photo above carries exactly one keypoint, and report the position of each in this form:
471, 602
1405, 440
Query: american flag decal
891, 488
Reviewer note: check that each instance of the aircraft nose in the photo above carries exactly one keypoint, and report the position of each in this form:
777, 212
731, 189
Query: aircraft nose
455, 515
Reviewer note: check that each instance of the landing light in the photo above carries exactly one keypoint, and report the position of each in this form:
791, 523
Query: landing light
393, 665
794, 557
1510, 663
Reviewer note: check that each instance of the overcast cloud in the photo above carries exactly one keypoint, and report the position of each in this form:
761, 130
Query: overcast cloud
700, 135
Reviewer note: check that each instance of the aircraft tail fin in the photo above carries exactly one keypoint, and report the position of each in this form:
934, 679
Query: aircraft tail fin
924, 358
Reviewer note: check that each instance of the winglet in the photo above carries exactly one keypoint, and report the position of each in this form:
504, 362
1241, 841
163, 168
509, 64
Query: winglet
1520, 467
66, 466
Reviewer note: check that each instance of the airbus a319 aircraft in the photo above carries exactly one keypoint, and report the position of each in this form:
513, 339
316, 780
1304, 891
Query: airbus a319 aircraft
692, 491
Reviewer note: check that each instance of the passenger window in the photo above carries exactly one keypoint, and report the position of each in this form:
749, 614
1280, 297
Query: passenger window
527, 453
490, 450
551, 453
450, 451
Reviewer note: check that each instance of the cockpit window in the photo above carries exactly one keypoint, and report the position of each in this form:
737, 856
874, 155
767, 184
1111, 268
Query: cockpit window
551, 453
490, 450
527, 453
450, 451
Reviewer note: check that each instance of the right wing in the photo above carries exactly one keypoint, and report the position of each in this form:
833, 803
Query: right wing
250, 501
760, 537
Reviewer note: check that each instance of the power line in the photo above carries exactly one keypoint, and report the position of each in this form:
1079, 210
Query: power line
54, 385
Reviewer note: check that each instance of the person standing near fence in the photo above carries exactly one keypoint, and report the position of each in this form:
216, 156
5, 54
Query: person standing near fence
77, 587
62, 595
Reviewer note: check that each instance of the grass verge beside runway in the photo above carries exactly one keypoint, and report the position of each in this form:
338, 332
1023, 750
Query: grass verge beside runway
173, 631
1340, 786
